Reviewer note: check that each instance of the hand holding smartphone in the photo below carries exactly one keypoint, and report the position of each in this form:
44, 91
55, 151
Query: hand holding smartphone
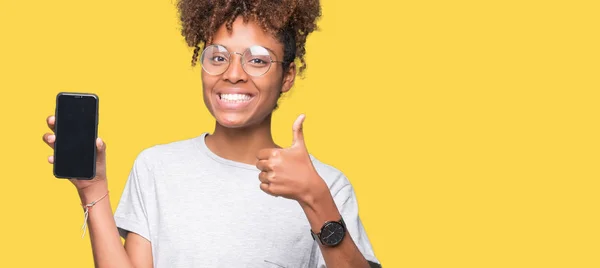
76, 132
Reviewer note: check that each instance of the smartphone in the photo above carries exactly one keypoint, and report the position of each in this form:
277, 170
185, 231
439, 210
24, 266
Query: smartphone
76, 130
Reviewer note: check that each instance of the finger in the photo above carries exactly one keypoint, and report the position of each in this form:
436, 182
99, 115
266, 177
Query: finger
49, 139
297, 130
101, 152
263, 177
264, 187
264, 165
51, 120
267, 153
271, 189
266, 176
267, 188
51, 159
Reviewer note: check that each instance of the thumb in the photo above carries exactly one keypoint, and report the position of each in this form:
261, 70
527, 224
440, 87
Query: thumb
101, 150
100, 158
297, 130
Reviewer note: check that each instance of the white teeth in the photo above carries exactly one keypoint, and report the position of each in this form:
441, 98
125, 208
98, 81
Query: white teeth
235, 97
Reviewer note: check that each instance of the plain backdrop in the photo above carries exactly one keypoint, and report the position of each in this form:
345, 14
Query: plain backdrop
469, 129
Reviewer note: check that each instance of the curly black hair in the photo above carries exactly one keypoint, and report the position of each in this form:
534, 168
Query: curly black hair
290, 21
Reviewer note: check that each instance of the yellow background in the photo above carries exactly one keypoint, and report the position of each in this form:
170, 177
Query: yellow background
468, 128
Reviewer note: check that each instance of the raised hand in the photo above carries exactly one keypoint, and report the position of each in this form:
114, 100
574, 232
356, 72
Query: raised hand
289, 172
50, 138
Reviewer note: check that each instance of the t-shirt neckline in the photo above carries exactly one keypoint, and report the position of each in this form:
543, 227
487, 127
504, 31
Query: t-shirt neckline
201, 140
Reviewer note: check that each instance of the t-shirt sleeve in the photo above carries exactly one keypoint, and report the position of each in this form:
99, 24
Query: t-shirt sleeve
347, 204
131, 213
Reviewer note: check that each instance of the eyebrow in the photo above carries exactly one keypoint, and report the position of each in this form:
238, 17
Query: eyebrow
272, 51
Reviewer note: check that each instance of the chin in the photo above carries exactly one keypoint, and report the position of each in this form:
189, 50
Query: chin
232, 120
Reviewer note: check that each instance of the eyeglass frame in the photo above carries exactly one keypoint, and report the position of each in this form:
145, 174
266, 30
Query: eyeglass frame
241, 57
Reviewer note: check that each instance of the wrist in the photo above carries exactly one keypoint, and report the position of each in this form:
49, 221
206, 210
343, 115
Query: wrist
319, 208
92, 192
314, 201
317, 193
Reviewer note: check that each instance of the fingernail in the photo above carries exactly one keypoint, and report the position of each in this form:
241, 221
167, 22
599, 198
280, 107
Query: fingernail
51, 138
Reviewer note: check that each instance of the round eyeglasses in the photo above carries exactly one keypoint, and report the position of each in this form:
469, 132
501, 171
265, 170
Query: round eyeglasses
256, 60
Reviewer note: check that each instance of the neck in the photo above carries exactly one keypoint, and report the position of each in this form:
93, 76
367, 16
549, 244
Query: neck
241, 144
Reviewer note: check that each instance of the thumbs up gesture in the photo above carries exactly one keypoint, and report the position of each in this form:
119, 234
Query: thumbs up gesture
289, 172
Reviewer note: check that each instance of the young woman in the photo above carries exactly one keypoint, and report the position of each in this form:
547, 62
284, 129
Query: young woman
212, 201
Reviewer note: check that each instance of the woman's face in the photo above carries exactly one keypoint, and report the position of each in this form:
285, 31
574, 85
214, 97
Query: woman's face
259, 95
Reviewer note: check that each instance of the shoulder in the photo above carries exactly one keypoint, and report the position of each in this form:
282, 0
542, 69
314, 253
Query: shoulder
336, 180
170, 147
167, 152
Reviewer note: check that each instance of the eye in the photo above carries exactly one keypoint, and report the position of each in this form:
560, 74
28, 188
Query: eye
218, 58
257, 61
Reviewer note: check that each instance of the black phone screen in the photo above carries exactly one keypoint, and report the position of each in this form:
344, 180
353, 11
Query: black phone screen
76, 131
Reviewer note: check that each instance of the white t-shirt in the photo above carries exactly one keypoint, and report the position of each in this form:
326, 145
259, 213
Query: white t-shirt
200, 210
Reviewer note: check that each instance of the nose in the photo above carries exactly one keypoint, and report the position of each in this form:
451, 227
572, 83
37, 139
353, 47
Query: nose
235, 73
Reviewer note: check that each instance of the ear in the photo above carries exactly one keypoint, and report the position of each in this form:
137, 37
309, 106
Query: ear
289, 78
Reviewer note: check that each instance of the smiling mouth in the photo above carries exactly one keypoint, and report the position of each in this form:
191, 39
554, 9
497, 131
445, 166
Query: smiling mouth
235, 98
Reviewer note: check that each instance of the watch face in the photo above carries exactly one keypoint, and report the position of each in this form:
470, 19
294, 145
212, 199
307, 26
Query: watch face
332, 233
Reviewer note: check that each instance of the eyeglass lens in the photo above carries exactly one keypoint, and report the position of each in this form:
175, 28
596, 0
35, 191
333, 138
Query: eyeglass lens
256, 60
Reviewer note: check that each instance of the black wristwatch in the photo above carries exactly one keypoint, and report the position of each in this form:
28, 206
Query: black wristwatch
332, 233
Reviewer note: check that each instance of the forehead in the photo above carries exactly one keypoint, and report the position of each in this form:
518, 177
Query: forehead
245, 35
